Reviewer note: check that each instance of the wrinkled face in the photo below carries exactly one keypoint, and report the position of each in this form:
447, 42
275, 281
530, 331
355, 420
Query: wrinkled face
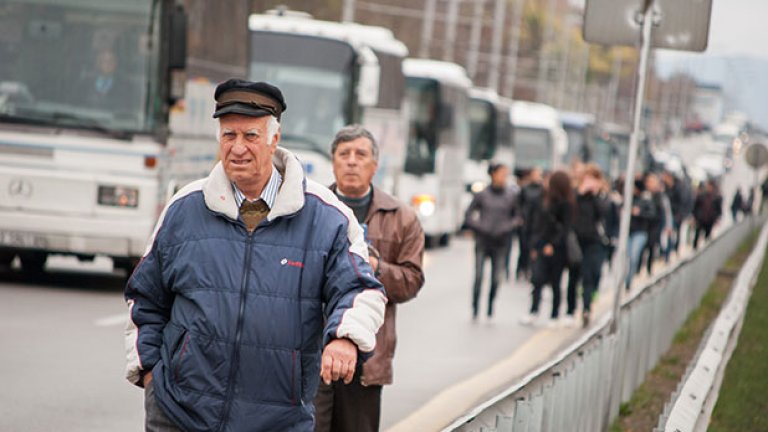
354, 166
244, 149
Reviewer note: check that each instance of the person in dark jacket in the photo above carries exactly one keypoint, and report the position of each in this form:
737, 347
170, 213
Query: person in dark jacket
551, 222
589, 225
396, 246
531, 194
737, 205
707, 210
255, 286
491, 216
643, 212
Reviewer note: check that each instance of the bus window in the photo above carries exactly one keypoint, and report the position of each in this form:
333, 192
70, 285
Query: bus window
482, 141
533, 147
422, 132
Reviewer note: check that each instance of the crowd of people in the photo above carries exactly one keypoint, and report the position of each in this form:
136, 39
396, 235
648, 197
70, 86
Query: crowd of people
569, 220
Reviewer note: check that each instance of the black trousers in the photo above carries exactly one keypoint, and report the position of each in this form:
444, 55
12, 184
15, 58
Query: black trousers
497, 253
706, 229
547, 271
349, 407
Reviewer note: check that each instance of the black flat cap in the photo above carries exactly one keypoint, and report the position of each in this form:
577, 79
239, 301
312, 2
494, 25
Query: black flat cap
256, 99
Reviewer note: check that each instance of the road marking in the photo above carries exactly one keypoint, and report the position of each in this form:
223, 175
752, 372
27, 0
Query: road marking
112, 320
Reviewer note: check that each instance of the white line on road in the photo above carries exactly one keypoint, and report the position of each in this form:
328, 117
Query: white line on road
112, 320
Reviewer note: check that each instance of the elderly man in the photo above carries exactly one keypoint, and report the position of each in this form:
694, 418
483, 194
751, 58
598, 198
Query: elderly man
250, 272
397, 247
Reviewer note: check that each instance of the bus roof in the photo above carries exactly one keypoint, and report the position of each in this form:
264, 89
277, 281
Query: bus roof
535, 115
576, 119
377, 38
445, 72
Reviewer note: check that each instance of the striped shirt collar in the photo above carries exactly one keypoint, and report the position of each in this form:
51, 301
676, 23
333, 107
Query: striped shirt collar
269, 194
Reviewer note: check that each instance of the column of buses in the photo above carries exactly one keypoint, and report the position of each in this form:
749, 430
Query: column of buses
82, 179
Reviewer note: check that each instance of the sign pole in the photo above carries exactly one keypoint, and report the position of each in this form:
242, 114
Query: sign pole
626, 209
629, 175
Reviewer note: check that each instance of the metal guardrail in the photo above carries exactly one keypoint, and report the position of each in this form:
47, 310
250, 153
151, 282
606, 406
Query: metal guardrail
576, 391
686, 410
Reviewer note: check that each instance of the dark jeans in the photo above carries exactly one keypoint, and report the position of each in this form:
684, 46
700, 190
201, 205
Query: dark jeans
524, 259
496, 253
701, 228
547, 271
156, 420
349, 407
588, 273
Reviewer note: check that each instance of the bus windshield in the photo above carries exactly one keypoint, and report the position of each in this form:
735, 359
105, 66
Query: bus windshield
315, 77
533, 147
78, 63
482, 145
422, 94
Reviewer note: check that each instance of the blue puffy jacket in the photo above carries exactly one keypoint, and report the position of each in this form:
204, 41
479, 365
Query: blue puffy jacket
231, 324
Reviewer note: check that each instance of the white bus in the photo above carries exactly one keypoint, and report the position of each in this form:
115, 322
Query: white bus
580, 130
87, 153
333, 74
490, 137
539, 137
438, 145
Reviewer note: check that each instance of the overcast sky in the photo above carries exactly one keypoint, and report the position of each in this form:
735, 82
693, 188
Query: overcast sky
736, 57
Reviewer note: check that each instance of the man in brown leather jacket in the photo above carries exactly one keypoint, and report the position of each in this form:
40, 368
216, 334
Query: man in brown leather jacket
396, 245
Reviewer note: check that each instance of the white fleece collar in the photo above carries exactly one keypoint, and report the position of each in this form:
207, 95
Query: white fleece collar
220, 198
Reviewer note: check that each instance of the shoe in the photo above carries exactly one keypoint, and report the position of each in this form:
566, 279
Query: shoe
529, 319
585, 319
569, 321
553, 323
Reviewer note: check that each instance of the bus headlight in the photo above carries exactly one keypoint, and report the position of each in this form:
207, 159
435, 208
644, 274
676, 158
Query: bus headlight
118, 196
476, 187
424, 204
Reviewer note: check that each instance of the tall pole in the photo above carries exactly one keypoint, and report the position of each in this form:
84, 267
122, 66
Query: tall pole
514, 46
564, 61
498, 30
542, 85
474, 38
426, 28
626, 209
449, 41
348, 13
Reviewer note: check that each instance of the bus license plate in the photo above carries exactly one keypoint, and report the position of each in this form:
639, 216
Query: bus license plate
22, 239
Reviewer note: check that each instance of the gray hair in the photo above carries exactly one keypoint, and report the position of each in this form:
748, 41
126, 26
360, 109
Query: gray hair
351, 133
273, 125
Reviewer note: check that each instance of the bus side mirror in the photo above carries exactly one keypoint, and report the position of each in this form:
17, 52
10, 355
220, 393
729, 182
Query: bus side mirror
445, 116
368, 83
177, 53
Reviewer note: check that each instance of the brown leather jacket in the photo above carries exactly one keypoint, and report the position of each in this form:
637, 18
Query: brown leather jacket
395, 231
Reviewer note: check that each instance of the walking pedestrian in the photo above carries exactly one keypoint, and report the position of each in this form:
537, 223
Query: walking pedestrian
250, 272
551, 223
492, 217
592, 207
531, 194
396, 244
707, 210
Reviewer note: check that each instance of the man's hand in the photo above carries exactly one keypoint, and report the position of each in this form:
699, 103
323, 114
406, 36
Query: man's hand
338, 361
548, 250
374, 262
147, 379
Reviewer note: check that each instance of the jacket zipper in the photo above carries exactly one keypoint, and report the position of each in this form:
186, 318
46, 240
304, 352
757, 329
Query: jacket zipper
238, 334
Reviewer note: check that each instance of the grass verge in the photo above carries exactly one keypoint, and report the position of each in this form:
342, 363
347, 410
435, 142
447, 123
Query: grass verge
742, 404
642, 412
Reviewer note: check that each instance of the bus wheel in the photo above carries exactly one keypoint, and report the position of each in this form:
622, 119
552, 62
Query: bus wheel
6, 258
431, 241
33, 263
445, 239
127, 264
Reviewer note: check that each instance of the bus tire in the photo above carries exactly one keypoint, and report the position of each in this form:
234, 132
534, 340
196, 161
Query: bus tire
33, 262
6, 258
431, 241
445, 240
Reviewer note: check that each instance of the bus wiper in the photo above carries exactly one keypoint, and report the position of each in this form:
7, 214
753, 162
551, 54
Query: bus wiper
311, 144
89, 123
